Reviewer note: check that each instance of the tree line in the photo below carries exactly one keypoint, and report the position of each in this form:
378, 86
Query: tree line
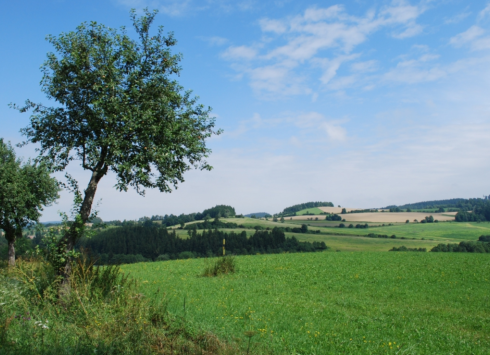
217, 211
154, 242
480, 212
291, 211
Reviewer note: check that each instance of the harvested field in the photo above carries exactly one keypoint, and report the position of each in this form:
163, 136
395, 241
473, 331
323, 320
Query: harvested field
388, 217
337, 209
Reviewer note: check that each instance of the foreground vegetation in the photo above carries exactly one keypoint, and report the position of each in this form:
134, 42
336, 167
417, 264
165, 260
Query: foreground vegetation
371, 303
101, 313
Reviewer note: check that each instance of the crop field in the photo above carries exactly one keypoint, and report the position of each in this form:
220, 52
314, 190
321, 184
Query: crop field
318, 303
388, 217
447, 231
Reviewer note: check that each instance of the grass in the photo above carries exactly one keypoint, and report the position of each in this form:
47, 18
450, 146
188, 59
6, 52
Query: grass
314, 210
438, 231
99, 313
354, 243
317, 303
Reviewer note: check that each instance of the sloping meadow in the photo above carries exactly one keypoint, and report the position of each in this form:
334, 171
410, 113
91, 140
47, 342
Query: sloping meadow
317, 303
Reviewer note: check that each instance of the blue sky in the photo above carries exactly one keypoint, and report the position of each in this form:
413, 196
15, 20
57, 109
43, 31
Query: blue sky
362, 103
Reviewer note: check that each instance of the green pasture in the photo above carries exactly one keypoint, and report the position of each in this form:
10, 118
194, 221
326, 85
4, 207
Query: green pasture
426, 235
442, 231
331, 303
314, 210
354, 243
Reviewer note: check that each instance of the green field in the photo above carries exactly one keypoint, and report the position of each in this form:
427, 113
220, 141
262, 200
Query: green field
426, 235
369, 303
314, 211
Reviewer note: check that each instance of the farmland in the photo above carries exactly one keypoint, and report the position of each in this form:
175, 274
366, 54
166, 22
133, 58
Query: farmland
413, 235
369, 303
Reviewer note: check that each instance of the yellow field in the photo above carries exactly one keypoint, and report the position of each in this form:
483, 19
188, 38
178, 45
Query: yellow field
383, 217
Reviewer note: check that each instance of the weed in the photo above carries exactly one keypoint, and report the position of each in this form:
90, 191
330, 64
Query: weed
224, 265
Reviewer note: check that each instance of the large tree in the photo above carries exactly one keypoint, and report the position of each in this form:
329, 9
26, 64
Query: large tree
24, 190
118, 109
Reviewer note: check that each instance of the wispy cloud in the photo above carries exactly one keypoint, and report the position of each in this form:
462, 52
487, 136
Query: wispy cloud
318, 38
215, 40
178, 8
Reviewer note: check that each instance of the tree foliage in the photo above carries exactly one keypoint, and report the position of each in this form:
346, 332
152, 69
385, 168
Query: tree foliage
24, 190
119, 109
293, 209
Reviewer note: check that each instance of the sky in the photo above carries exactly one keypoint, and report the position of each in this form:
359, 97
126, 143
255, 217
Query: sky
361, 103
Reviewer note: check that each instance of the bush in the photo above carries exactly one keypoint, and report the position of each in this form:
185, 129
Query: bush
404, 248
186, 255
224, 265
163, 257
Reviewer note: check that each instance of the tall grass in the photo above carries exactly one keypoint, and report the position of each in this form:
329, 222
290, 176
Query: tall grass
222, 266
101, 313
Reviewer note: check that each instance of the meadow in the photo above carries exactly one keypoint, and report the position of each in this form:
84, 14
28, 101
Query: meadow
317, 303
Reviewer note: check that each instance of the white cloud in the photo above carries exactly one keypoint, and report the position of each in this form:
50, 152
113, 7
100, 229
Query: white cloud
239, 53
215, 40
457, 18
363, 67
416, 71
484, 13
331, 66
334, 132
185, 7
319, 37
276, 26
472, 37
277, 78
467, 36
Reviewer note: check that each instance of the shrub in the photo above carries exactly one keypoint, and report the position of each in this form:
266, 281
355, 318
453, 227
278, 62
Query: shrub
404, 248
224, 265
186, 255
163, 257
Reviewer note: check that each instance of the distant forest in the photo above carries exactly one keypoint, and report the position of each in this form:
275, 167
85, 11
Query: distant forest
173, 220
460, 203
258, 215
157, 243
288, 211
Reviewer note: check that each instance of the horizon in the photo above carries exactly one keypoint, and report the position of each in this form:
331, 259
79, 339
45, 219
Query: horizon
361, 104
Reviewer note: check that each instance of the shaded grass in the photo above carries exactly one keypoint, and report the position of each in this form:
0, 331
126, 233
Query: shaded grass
369, 303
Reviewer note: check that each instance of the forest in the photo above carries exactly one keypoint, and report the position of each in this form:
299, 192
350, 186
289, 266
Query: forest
157, 243
290, 211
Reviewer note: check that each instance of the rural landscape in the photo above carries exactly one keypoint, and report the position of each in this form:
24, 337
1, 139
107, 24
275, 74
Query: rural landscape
333, 200
386, 282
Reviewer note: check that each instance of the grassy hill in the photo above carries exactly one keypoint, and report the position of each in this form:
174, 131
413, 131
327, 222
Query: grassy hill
314, 211
356, 303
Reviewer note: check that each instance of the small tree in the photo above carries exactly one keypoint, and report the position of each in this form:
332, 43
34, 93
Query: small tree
282, 219
118, 110
24, 190
344, 211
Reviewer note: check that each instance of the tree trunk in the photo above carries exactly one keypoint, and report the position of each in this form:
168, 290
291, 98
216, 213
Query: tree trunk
11, 253
67, 243
10, 236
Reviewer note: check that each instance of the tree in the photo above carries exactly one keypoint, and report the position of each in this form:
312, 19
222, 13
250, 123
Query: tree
344, 211
282, 219
118, 109
24, 190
